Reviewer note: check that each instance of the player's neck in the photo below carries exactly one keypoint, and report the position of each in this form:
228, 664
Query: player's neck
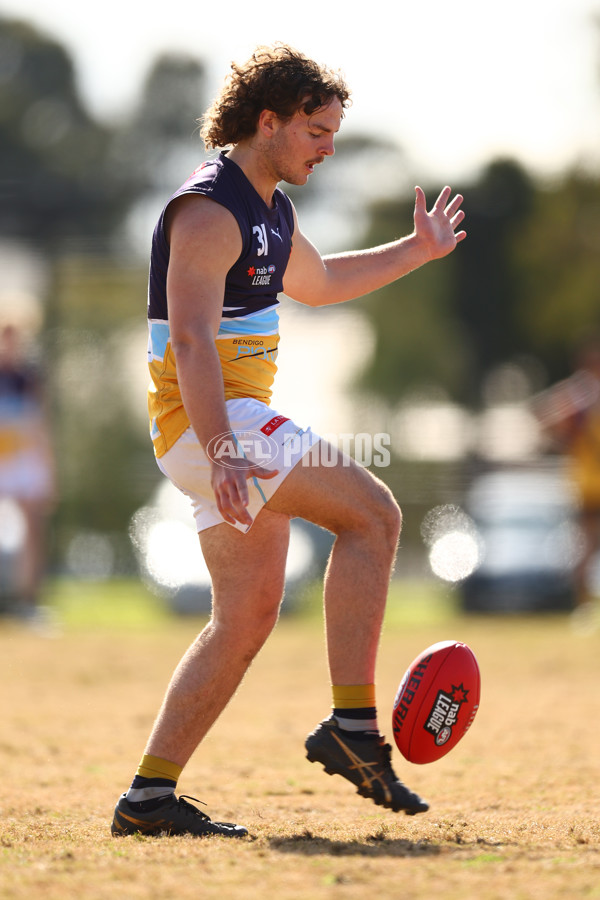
252, 163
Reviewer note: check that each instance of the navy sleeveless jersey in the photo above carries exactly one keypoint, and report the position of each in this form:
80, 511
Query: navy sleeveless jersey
248, 335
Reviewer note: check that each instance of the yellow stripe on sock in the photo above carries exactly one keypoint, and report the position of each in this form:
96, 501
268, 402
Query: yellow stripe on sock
353, 696
155, 767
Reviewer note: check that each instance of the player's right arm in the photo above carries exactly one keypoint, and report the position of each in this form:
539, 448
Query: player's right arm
205, 241
320, 281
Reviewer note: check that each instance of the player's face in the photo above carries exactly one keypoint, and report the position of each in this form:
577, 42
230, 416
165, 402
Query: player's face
302, 143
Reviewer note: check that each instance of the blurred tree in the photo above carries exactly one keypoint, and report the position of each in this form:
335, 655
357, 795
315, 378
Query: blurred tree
419, 342
557, 264
159, 143
450, 323
486, 293
55, 180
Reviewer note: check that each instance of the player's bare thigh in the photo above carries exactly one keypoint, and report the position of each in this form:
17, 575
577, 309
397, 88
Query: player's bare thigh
338, 497
251, 564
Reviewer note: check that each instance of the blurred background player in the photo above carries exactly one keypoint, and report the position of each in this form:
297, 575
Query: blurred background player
27, 486
569, 412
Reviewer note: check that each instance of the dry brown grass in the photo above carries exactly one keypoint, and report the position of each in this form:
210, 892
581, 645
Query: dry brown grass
515, 807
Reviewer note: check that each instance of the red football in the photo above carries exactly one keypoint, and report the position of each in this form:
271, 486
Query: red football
436, 701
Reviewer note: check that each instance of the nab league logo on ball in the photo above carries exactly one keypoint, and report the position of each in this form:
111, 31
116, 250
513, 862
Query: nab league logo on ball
444, 713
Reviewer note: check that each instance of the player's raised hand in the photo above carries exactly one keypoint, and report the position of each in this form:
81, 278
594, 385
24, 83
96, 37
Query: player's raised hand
437, 229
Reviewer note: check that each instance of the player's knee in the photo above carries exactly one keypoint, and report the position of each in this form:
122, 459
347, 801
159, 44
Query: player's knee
266, 616
252, 637
252, 622
377, 518
391, 519
385, 515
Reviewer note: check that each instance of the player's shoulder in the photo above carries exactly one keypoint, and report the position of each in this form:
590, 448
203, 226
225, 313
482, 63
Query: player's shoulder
205, 175
198, 213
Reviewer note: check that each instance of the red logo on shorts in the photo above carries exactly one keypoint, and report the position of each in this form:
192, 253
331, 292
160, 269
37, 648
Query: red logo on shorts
274, 424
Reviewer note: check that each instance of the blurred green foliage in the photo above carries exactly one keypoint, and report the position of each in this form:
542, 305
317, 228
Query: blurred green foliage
125, 603
56, 181
522, 287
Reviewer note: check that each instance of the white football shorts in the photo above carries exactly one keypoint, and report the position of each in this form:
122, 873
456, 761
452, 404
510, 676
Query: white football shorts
261, 434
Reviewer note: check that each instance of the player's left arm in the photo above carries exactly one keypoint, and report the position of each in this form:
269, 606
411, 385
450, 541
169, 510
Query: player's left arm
320, 281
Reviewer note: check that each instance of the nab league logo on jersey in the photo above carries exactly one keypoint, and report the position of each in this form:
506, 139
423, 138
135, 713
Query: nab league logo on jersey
261, 274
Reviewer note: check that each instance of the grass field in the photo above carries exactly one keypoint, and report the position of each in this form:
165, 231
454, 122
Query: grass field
515, 808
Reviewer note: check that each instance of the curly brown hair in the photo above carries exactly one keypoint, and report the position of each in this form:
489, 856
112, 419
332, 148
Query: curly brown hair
275, 77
